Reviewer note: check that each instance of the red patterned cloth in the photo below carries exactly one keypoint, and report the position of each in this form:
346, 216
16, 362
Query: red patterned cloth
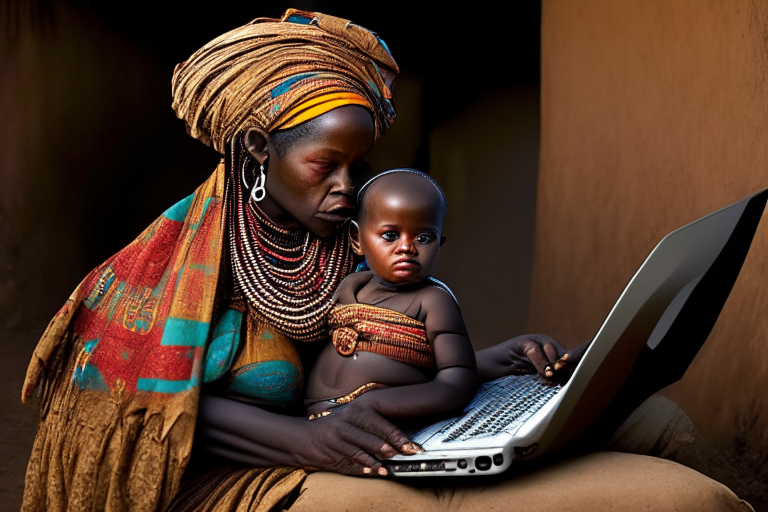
382, 331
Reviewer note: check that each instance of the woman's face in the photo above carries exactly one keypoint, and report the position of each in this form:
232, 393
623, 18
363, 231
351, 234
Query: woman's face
311, 185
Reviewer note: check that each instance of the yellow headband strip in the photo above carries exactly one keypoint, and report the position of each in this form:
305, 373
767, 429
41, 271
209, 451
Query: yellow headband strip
319, 106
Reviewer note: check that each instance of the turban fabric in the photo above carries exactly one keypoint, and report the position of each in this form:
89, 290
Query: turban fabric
271, 74
119, 367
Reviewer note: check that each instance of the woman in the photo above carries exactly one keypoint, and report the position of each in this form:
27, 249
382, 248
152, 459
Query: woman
300, 100
229, 288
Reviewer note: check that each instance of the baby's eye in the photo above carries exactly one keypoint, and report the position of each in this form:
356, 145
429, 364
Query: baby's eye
389, 236
424, 238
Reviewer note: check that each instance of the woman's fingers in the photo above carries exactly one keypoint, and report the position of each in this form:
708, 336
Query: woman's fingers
535, 355
412, 448
343, 448
530, 353
546, 355
340, 461
551, 353
543, 340
562, 362
374, 423
369, 443
356, 461
515, 364
356, 438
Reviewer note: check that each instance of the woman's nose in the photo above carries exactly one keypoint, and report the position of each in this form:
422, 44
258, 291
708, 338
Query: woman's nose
343, 182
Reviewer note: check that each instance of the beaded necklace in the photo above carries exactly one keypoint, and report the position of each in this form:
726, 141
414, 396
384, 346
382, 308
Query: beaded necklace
287, 276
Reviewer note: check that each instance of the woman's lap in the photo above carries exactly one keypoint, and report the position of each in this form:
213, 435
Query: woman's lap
597, 481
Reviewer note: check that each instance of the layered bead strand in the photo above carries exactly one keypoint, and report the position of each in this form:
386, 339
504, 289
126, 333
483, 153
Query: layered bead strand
286, 276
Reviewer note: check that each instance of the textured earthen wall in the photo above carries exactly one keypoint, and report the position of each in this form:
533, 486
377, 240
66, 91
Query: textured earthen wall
485, 158
654, 113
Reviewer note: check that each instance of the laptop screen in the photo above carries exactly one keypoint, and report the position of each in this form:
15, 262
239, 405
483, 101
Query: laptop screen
659, 323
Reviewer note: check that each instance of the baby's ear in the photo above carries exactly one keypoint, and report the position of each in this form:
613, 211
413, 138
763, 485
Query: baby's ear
442, 240
354, 238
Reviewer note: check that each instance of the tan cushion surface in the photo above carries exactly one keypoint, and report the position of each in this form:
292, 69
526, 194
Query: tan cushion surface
594, 482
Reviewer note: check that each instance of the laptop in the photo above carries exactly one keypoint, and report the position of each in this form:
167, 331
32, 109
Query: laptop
647, 341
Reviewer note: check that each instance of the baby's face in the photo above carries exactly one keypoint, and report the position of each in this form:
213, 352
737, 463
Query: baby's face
400, 236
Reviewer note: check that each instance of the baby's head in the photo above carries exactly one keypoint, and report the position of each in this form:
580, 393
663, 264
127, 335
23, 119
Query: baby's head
400, 224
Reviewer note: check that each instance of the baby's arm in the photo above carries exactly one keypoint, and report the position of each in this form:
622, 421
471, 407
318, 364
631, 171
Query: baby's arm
456, 381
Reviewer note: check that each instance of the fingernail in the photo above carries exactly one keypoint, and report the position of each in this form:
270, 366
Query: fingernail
565, 357
383, 472
548, 373
389, 450
412, 449
559, 365
367, 471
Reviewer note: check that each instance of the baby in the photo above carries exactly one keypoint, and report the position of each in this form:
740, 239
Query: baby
399, 340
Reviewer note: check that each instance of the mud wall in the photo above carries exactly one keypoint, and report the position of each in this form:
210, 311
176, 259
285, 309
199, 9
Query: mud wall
655, 113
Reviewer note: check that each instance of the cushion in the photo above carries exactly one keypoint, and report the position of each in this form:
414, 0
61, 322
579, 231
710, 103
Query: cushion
594, 482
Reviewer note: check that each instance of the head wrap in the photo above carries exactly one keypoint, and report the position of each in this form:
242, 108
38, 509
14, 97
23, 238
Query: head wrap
275, 74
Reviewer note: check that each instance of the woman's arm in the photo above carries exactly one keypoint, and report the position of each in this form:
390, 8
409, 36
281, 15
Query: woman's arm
452, 388
530, 353
352, 441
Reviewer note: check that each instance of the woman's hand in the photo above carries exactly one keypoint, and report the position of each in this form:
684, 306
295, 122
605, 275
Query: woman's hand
531, 353
353, 440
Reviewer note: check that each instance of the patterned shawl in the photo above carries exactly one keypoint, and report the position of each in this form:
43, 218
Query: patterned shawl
119, 367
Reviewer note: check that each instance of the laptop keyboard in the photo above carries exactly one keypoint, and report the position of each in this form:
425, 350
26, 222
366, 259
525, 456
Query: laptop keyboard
501, 405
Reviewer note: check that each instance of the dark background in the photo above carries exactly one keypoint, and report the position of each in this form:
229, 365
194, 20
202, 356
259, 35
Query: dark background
91, 152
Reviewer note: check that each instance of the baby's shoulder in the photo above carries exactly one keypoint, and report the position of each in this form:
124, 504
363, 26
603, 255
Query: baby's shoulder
436, 294
345, 293
441, 310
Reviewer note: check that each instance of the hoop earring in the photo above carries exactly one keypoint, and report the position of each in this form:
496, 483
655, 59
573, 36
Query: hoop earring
259, 190
242, 173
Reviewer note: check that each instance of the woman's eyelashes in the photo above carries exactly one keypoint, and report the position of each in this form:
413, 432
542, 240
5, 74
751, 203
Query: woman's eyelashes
330, 166
323, 166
